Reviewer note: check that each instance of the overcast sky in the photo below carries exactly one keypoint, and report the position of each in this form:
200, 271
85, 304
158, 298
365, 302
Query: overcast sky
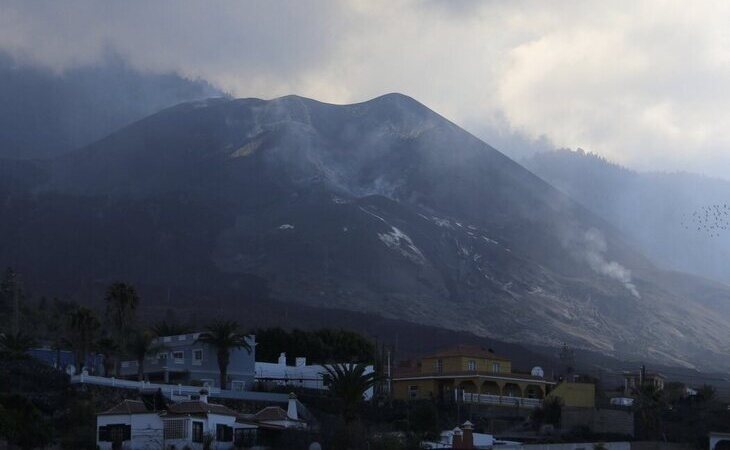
644, 83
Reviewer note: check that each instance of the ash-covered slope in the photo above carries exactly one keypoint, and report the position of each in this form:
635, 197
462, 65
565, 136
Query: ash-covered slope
382, 206
658, 210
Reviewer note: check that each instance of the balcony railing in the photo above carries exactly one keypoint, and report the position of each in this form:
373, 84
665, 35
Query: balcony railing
488, 399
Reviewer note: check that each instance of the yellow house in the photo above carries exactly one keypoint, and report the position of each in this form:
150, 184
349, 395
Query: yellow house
577, 395
472, 374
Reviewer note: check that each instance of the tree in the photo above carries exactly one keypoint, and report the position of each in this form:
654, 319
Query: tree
348, 383
224, 336
567, 360
165, 328
108, 348
11, 292
22, 424
141, 345
16, 342
706, 393
549, 413
82, 327
648, 407
121, 304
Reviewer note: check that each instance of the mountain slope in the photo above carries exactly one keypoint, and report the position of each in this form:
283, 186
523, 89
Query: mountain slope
656, 209
382, 206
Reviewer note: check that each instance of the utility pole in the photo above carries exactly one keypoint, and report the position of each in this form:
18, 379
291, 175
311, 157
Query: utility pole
16, 307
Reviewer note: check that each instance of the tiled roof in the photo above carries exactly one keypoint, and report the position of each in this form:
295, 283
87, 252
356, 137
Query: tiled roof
198, 407
271, 413
414, 374
467, 351
127, 407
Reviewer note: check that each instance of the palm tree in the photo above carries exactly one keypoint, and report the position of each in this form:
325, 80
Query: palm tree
141, 345
165, 328
648, 407
225, 336
121, 305
82, 327
349, 382
17, 343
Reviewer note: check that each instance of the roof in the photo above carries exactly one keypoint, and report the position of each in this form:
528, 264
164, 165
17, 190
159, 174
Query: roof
271, 413
647, 375
127, 407
474, 351
199, 407
401, 375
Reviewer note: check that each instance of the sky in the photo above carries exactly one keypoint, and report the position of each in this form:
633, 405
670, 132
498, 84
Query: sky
643, 83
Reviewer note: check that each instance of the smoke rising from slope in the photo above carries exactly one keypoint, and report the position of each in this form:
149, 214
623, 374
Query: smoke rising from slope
595, 255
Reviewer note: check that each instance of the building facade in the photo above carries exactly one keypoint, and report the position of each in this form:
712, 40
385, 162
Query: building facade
184, 359
634, 380
472, 373
130, 425
300, 375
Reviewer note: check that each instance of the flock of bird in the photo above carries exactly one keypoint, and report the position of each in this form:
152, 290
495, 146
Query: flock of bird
710, 220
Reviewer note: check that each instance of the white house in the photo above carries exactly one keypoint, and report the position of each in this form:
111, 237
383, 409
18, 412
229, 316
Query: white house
131, 426
299, 375
190, 423
274, 417
129, 423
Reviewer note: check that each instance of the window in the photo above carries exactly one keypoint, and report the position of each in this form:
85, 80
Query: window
413, 391
198, 356
115, 433
245, 437
207, 382
175, 429
238, 385
495, 367
181, 337
162, 357
223, 433
439, 365
471, 365
179, 357
197, 431
166, 339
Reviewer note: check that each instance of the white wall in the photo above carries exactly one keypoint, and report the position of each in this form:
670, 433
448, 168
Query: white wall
146, 430
309, 377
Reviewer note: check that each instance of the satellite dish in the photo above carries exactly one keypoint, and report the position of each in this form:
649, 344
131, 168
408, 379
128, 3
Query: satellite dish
71, 370
537, 372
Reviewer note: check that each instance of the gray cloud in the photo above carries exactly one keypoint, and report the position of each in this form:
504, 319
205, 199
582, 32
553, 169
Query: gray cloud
642, 82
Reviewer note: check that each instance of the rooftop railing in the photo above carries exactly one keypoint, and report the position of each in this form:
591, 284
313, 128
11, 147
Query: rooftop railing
488, 399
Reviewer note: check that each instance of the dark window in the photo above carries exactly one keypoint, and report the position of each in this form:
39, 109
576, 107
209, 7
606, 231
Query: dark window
175, 429
223, 433
245, 437
413, 391
115, 433
197, 431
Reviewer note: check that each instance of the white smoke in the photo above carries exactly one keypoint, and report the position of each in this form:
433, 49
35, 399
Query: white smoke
595, 247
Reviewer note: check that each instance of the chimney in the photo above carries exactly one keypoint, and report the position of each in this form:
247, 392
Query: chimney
467, 439
300, 361
282, 359
291, 409
204, 395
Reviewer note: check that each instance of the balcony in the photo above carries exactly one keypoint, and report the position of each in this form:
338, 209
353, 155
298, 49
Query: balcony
487, 399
